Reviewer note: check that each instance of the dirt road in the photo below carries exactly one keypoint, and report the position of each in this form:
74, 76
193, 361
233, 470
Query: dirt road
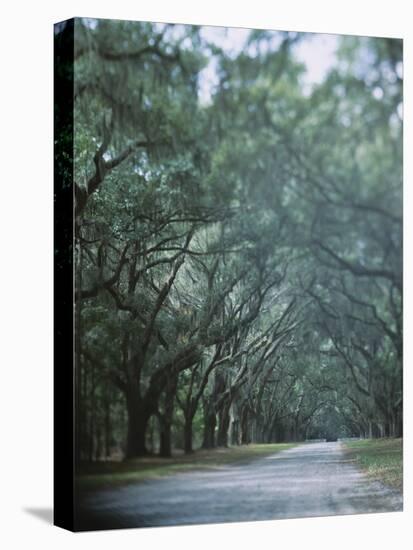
314, 479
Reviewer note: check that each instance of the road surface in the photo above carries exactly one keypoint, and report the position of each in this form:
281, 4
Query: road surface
315, 479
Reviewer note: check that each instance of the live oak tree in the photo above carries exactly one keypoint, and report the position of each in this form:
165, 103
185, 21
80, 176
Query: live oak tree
238, 259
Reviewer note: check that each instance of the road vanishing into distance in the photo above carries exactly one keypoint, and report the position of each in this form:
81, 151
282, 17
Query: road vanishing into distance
313, 479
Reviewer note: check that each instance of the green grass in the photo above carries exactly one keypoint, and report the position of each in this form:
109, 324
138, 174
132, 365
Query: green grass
109, 474
382, 459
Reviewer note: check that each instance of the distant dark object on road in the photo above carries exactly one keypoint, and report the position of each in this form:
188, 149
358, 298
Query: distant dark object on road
331, 438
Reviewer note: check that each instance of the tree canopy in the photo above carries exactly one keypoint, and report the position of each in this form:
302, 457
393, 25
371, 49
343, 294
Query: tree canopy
238, 245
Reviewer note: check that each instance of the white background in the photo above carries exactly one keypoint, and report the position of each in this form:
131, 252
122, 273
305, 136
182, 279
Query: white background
26, 404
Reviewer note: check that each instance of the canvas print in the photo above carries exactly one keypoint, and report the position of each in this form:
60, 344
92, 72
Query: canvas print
229, 213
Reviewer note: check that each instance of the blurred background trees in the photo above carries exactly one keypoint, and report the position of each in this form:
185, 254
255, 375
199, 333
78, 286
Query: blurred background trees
238, 251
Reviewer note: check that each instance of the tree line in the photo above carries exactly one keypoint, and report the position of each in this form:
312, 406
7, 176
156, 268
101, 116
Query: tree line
238, 260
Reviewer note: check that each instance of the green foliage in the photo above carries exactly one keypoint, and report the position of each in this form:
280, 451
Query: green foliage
238, 261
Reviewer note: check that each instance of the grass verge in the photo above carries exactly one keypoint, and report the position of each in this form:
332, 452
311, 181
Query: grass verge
381, 459
109, 474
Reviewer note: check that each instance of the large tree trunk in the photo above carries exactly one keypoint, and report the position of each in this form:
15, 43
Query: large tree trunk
165, 419
223, 426
209, 428
399, 422
188, 432
98, 450
188, 435
244, 427
137, 424
235, 435
165, 449
108, 430
370, 428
